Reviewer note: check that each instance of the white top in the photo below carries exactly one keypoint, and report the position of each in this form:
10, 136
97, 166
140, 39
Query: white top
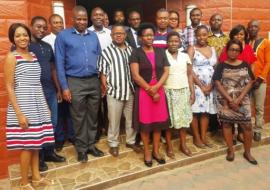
177, 71
50, 39
135, 36
104, 36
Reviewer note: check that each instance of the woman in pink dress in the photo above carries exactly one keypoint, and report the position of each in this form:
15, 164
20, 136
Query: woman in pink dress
149, 68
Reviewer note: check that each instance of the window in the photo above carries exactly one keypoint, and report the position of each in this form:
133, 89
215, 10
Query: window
58, 8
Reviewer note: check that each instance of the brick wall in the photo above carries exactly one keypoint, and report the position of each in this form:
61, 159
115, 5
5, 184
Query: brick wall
18, 11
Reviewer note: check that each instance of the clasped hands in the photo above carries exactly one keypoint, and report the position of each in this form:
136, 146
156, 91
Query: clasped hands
153, 92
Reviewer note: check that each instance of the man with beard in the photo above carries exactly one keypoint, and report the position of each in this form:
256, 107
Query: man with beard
77, 50
119, 18
134, 20
261, 69
50, 85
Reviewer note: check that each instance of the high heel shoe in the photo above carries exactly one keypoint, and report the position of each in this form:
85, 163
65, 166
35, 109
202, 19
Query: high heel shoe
42, 182
159, 160
27, 186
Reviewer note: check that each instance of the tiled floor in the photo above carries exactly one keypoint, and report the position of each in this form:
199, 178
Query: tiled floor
107, 171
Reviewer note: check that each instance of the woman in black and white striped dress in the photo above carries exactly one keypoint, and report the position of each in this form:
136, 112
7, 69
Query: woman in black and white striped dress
29, 125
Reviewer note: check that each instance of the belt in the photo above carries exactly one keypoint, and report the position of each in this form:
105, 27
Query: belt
83, 77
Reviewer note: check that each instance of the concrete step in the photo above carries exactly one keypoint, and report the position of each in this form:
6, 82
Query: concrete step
101, 173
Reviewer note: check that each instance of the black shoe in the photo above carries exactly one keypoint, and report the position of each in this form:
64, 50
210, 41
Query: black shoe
159, 160
59, 145
82, 157
257, 136
254, 162
43, 167
95, 152
148, 163
54, 158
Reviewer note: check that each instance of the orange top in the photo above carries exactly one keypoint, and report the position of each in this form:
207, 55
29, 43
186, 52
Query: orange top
262, 65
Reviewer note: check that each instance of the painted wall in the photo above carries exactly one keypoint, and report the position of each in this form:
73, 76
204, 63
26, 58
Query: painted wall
10, 12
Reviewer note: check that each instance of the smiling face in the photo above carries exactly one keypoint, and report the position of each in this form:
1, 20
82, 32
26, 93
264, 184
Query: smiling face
21, 38
118, 35
240, 36
173, 20
97, 17
57, 24
201, 36
195, 17
39, 29
80, 20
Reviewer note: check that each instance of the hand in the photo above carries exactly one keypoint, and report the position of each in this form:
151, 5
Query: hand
156, 97
192, 98
257, 83
67, 95
23, 121
234, 105
153, 90
207, 89
204, 90
103, 90
59, 97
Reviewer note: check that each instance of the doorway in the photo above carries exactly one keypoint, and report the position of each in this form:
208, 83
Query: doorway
147, 8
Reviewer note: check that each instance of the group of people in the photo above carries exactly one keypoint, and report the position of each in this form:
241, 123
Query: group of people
160, 79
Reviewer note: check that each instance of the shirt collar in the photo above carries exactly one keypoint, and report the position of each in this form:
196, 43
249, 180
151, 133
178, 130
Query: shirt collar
190, 26
92, 28
212, 34
74, 31
114, 46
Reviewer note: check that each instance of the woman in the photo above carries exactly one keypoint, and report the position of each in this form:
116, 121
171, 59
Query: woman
239, 33
204, 59
233, 80
179, 91
149, 68
106, 21
174, 20
29, 125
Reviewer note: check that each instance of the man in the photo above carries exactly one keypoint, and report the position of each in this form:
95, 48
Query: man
119, 18
261, 69
117, 85
77, 50
49, 82
162, 21
217, 38
134, 20
57, 25
104, 34
188, 33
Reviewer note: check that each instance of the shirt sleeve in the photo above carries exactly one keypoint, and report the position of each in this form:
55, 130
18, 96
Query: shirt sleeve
266, 67
188, 59
218, 72
103, 66
60, 54
134, 58
165, 59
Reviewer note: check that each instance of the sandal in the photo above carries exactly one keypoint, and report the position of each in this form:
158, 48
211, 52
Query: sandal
27, 186
186, 151
170, 154
42, 182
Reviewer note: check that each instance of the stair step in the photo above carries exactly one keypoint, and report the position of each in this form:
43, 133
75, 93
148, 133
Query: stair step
107, 171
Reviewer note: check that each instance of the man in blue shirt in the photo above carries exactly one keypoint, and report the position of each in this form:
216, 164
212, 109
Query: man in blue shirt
50, 85
76, 51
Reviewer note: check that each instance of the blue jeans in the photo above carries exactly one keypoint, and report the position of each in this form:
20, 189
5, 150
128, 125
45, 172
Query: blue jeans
64, 128
51, 99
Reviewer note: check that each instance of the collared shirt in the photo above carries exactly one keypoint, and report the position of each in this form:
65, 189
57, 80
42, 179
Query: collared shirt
50, 39
189, 38
104, 36
45, 56
160, 39
114, 64
217, 41
76, 55
262, 64
135, 36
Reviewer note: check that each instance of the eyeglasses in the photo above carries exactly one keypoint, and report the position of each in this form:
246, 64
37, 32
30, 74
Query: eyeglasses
234, 50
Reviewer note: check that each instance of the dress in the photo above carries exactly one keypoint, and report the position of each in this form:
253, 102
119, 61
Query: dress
31, 100
151, 112
177, 91
233, 79
204, 68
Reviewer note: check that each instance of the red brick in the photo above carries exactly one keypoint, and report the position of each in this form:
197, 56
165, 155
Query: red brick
2, 133
3, 151
251, 3
13, 156
4, 169
13, 10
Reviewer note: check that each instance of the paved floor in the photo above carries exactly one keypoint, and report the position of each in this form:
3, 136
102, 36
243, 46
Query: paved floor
213, 174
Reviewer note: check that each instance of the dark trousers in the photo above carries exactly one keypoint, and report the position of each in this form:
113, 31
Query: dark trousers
64, 129
51, 99
85, 94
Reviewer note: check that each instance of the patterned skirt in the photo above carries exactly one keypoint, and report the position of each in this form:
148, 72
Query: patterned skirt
179, 107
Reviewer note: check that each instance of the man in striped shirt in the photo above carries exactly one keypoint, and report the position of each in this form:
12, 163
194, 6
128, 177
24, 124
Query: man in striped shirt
116, 83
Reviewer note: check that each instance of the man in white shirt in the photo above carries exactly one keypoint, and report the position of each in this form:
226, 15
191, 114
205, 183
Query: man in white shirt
56, 22
104, 34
